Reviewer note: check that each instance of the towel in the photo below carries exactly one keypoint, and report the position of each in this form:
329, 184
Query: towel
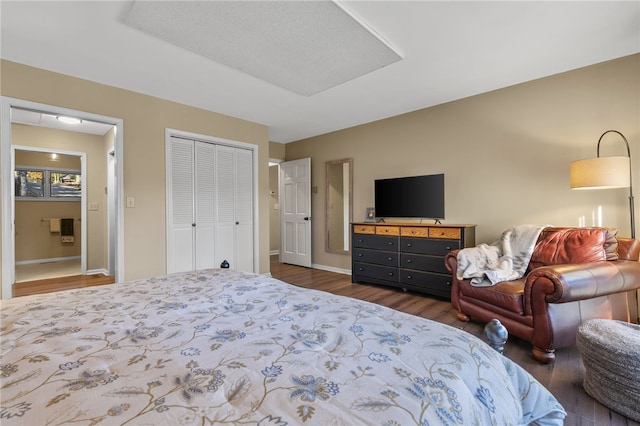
504, 260
54, 225
66, 227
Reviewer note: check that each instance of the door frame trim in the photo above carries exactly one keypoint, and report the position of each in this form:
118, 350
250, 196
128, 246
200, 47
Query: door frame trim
7, 164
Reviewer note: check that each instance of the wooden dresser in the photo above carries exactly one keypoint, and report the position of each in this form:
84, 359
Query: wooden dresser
409, 256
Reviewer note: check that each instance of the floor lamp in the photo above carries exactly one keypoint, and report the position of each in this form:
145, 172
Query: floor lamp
606, 173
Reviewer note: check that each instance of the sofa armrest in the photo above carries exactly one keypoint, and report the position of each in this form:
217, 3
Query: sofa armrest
566, 283
451, 261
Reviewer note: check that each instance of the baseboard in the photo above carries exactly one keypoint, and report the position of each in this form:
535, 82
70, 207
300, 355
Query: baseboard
331, 269
274, 252
322, 267
48, 260
98, 271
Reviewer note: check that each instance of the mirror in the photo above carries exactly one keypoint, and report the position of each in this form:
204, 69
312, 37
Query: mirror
339, 205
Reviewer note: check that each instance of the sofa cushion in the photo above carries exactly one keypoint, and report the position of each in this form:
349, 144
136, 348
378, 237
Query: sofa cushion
506, 295
556, 246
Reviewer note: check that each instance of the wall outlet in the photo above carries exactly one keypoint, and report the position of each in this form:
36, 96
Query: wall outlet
93, 206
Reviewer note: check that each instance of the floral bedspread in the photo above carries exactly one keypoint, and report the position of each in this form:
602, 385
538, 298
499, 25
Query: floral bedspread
221, 347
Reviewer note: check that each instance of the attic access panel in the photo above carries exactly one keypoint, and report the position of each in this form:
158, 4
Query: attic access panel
303, 46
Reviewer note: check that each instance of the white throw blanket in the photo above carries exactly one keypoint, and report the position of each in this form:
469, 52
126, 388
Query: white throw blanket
504, 260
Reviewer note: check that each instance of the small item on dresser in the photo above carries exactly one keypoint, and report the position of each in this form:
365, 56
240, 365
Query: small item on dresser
224, 264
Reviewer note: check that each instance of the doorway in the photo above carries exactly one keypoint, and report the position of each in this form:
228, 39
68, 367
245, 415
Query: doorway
112, 164
50, 223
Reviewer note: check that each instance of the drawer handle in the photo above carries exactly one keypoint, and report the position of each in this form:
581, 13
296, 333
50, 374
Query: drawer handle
360, 269
389, 259
448, 247
390, 274
409, 277
359, 254
449, 283
390, 243
408, 260
409, 244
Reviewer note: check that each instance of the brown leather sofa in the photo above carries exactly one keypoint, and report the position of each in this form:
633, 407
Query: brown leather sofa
574, 274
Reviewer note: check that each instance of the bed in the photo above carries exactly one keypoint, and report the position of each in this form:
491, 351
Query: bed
223, 347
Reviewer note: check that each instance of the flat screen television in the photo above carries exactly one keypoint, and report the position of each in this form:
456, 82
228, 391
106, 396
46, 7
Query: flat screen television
410, 197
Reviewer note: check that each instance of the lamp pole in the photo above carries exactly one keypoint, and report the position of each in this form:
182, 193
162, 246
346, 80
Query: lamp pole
631, 201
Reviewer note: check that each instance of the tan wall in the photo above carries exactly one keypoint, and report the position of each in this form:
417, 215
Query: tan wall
505, 154
145, 120
33, 239
277, 151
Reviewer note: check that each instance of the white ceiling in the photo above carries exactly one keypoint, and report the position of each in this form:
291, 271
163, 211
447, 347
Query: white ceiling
450, 50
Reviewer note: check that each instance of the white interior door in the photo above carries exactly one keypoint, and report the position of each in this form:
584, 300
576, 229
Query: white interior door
244, 210
205, 213
234, 186
225, 192
112, 224
180, 240
295, 212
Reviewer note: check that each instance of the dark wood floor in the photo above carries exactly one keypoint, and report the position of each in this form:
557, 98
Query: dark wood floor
60, 283
563, 378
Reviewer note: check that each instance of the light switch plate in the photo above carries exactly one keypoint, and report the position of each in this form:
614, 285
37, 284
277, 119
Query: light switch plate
131, 202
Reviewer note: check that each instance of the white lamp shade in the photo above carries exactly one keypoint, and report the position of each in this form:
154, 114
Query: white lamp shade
601, 173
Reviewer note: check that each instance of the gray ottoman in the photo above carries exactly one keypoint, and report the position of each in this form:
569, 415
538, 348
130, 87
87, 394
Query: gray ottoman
611, 354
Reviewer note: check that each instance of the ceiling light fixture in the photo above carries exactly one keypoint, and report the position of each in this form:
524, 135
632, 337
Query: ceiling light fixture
68, 120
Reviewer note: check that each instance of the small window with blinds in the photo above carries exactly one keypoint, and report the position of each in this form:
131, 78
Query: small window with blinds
47, 185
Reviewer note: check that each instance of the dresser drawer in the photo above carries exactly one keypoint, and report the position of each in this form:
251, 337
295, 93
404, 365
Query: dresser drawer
423, 263
377, 272
446, 233
428, 246
364, 229
414, 231
436, 284
386, 258
379, 242
388, 230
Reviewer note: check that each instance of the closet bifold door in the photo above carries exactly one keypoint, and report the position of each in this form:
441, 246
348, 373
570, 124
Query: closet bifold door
210, 200
205, 213
180, 244
244, 210
234, 189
